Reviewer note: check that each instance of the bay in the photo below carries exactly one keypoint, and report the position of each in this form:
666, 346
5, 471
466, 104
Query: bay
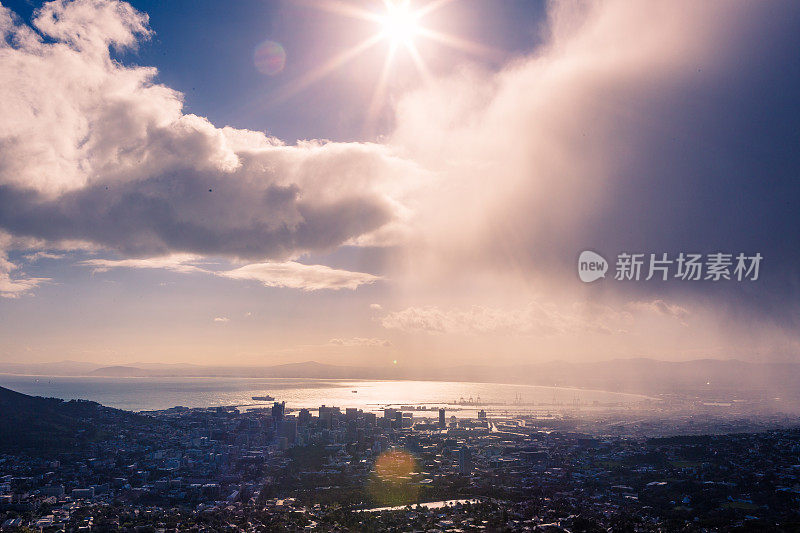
147, 393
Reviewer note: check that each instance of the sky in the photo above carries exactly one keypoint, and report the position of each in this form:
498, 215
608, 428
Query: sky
375, 183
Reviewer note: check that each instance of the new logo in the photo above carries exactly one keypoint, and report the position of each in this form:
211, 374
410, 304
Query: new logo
591, 266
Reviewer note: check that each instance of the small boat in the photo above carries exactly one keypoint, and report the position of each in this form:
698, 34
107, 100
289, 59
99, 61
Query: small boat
263, 398
354, 392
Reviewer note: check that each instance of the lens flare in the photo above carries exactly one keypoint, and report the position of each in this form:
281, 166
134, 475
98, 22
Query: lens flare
269, 58
392, 480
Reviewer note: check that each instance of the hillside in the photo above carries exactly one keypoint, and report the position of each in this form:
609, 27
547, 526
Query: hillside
33, 425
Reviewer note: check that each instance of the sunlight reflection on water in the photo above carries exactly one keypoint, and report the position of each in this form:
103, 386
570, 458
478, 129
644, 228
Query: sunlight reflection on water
139, 394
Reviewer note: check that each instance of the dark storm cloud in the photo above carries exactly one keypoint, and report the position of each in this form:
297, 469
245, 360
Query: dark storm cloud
714, 166
191, 214
646, 127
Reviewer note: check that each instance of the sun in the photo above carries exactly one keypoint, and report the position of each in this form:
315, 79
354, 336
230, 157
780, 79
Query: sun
400, 24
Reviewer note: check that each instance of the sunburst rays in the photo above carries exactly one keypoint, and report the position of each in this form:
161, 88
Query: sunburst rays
399, 23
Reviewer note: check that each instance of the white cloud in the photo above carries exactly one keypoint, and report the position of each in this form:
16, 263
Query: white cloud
359, 341
36, 256
474, 320
13, 282
661, 307
177, 263
221, 319
299, 276
13, 286
375, 307
94, 150
535, 319
289, 274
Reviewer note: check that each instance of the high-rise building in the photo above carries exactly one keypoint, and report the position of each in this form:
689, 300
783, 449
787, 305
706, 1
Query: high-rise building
442, 423
53, 490
288, 429
278, 410
328, 416
464, 461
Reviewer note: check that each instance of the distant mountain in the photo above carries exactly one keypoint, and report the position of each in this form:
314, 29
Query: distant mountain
78, 368
35, 425
60, 368
164, 366
120, 371
701, 377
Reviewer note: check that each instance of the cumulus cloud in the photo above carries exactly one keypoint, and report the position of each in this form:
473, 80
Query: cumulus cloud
661, 307
535, 319
94, 150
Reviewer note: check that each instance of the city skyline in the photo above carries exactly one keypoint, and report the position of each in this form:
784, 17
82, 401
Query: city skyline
399, 265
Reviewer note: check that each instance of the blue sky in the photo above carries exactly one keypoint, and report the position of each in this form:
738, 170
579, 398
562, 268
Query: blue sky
205, 50
204, 212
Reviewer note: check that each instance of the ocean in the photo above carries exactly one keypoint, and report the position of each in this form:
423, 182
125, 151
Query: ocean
146, 394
